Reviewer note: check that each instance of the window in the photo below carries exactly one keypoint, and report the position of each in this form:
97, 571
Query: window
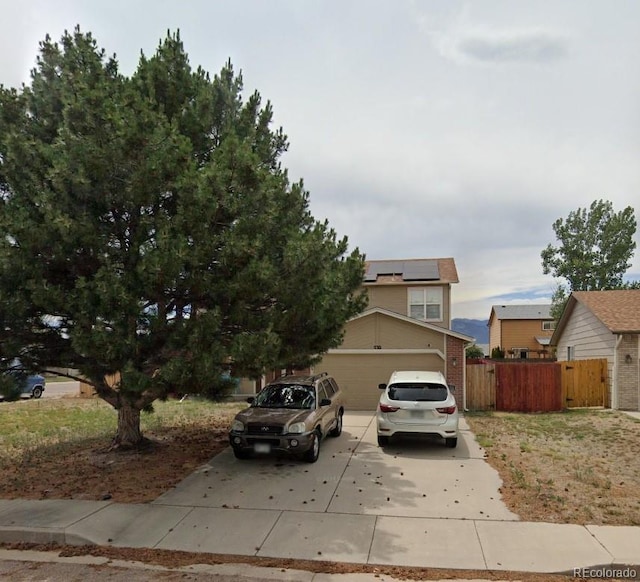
326, 384
418, 392
548, 325
521, 353
425, 303
322, 392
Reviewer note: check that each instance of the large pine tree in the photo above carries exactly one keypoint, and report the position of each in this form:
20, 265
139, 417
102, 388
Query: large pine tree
150, 233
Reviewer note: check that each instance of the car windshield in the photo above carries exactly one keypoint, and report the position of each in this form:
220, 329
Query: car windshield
418, 392
285, 396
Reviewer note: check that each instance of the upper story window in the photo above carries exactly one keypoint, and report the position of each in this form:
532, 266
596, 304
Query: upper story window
548, 325
425, 303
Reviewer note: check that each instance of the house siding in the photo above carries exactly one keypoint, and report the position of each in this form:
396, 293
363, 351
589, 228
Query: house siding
382, 332
495, 334
522, 333
628, 373
358, 334
394, 297
590, 339
401, 334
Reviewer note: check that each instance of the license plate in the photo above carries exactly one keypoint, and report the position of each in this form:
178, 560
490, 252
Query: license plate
416, 413
262, 448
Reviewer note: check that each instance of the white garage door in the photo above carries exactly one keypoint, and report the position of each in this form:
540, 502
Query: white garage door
358, 375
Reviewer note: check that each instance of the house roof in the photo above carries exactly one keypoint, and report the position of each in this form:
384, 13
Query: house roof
403, 271
521, 311
424, 324
618, 310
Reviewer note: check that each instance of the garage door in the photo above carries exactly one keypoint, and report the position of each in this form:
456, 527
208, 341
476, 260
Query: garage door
358, 375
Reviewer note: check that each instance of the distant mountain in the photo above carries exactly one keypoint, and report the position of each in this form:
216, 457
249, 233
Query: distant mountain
476, 328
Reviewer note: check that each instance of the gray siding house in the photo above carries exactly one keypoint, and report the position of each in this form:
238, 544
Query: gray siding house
605, 324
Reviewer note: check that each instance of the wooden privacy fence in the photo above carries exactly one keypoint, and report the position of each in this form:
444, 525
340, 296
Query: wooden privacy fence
584, 383
481, 386
539, 387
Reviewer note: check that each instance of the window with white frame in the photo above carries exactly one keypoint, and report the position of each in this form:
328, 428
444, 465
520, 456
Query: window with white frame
548, 325
425, 303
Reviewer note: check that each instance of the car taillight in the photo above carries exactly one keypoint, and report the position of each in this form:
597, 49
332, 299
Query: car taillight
447, 410
388, 408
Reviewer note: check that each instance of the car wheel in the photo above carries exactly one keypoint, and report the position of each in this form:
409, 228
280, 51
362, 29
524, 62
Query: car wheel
36, 392
336, 431
311, 456
452, 442
383, 441
240, 454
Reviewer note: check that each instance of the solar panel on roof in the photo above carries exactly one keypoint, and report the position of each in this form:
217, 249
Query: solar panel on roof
421, 271
425, 270
383, 268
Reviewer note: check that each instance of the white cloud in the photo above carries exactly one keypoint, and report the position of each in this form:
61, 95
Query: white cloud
523, 46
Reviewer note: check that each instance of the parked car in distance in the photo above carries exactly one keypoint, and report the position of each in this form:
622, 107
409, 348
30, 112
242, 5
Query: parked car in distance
26, 385
291, 415
34, 386
417, 403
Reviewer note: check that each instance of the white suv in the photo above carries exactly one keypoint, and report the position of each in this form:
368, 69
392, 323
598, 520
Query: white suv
417, 402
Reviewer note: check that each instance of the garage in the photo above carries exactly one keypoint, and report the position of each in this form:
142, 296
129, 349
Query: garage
379, 341
358, 373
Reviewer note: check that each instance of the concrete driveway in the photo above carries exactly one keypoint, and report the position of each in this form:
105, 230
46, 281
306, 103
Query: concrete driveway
353, 504
416, 478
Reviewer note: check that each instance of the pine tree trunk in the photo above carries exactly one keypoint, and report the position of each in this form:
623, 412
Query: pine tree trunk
128, 433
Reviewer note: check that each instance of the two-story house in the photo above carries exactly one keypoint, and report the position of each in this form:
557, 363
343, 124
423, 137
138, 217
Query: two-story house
521, 331
405, 327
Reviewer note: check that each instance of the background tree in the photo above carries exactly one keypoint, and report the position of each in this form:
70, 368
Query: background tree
150, 232
596, 245
474, 351
559, 299
497, 353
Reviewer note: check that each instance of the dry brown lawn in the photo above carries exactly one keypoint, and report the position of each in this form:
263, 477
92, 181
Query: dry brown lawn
581, 466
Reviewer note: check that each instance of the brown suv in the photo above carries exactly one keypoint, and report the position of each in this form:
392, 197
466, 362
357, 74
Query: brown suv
291, 414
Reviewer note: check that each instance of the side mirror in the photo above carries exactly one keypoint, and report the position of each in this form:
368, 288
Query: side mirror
382, 386
452, 387
250, 399
325, 402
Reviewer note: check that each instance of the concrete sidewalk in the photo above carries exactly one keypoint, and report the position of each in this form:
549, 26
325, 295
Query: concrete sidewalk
415, 506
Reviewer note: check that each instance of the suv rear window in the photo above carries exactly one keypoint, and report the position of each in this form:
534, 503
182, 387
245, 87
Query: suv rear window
285, 396
418, 392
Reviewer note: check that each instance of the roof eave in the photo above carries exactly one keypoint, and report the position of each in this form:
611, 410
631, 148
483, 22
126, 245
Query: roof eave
625, 331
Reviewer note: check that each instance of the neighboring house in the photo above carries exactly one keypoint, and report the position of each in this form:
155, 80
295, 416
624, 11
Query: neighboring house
405, 327
521, 331
605, 324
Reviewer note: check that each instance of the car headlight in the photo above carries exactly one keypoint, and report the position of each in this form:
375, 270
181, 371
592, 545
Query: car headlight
237, 426
296, 428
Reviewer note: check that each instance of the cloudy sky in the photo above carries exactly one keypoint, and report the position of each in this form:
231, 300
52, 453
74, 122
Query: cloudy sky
421, 128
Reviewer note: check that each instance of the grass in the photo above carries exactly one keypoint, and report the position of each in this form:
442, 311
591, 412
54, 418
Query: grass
580, 466
33, 424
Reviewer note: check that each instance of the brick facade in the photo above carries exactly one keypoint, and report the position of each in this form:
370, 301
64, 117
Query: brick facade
455, 373
628, 373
